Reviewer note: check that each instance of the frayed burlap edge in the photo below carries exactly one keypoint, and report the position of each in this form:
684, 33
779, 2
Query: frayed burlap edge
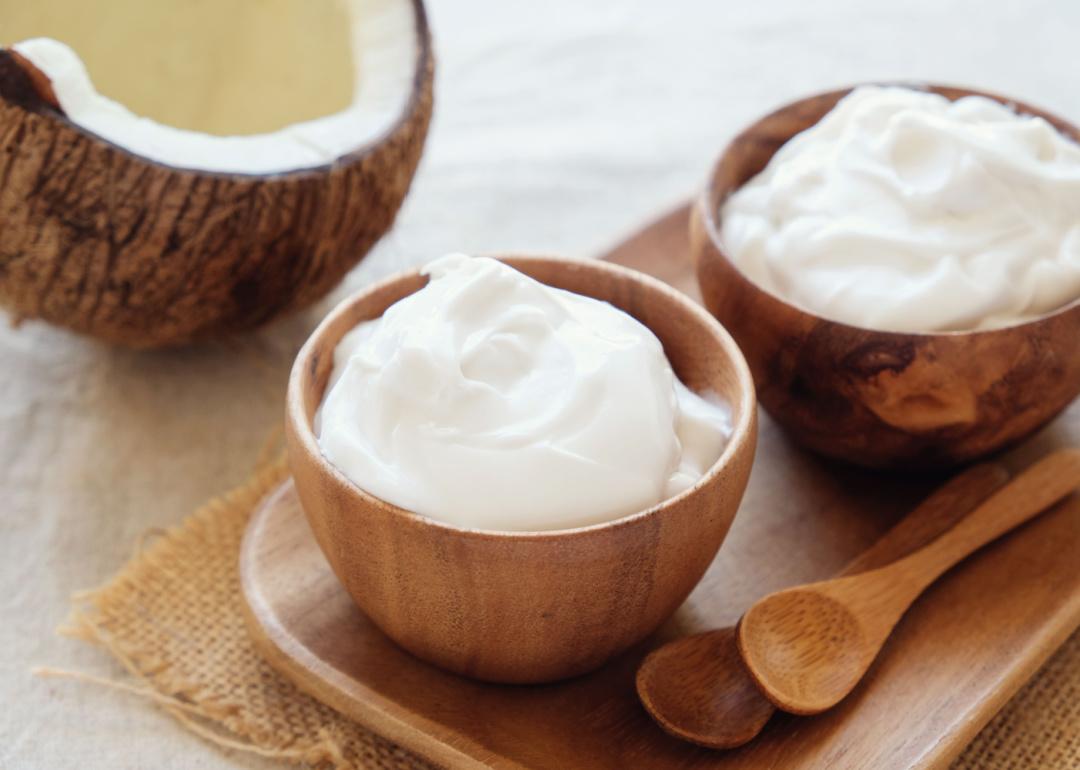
130, 617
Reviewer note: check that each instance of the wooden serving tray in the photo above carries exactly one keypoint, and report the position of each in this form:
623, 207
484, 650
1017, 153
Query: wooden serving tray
958, 655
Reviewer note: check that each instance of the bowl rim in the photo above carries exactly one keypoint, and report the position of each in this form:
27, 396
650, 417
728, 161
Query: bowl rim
711, 217
742, 439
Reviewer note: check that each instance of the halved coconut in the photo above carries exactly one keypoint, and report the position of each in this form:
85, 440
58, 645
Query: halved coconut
264, 147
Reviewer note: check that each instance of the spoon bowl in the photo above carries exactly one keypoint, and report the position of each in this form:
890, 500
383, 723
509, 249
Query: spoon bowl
808, 647
697, 689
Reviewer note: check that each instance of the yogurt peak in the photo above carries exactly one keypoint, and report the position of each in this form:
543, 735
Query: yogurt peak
491, 401
904, 211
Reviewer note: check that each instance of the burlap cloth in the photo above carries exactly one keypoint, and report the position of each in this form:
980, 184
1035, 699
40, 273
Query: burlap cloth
172, 617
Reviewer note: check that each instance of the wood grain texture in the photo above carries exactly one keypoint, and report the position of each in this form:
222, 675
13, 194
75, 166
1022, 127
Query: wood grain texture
697, 687
807, 647
138, 253
952, 662
875, 398
527, 606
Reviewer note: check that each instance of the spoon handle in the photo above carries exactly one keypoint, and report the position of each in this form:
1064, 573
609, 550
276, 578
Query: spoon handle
1030, 493
935, 515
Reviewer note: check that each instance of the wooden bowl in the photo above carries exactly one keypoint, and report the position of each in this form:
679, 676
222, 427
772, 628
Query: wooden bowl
526, 606
878, 398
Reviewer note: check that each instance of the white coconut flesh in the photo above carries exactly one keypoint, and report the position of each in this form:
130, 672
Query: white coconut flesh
243, 86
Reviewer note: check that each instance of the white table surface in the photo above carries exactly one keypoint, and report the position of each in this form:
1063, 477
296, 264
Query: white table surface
559, 126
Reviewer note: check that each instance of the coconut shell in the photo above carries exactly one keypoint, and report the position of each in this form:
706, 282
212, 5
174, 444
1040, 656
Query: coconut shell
147, 255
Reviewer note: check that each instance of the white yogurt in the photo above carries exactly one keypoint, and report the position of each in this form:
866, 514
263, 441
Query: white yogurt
491, 401
903, 211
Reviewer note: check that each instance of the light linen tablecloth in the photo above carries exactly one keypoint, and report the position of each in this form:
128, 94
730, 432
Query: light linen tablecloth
559, 126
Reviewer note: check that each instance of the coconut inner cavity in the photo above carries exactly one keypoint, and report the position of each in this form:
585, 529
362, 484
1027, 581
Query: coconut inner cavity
254, 86
222, 67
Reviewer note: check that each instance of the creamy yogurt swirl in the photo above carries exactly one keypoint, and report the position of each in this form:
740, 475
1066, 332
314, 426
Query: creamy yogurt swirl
904, 211
491, 401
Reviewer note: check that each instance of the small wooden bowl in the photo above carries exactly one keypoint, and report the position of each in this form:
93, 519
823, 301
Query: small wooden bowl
526, 606
877, 398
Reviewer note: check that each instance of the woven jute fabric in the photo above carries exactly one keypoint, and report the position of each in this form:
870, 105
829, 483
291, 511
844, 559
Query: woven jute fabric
1040, 726
173, 618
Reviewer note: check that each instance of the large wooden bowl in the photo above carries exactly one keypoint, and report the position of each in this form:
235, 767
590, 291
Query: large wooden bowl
526, 606
876, 398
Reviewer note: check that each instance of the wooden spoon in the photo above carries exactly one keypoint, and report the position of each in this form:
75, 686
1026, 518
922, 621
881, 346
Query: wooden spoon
697, 687
808, 647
